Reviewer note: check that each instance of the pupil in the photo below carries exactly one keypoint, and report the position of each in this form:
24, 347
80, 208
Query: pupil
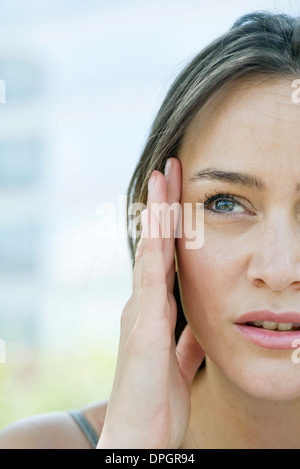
225, 205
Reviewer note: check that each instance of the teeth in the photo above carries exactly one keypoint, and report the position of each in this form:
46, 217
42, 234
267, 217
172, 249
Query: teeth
281, 326
258, 323
270, 325
285, 326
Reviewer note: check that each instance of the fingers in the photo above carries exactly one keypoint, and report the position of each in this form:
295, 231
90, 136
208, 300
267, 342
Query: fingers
153, 297
189, 353
164, 200
149, 296
174, 182
163, 191
154, 268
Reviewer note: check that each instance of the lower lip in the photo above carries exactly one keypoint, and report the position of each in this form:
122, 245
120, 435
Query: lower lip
270, 339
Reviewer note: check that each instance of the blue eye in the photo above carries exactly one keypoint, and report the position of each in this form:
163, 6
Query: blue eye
222, 204
227, 205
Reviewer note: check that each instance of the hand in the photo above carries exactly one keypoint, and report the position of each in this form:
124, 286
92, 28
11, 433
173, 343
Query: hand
149, 406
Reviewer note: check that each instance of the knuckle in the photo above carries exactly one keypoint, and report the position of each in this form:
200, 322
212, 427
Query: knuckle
136, 342
146, 278
151, 278
141, 343
133, 342
153, 275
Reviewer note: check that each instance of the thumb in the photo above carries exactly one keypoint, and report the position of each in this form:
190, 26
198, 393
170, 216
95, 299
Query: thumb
189, 354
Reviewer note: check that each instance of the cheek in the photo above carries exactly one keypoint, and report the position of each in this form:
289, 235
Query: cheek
210, 280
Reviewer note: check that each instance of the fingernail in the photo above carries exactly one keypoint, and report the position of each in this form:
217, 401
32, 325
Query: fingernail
168, 168
151, 182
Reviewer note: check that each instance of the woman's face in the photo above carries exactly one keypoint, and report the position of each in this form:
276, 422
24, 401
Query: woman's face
250, 259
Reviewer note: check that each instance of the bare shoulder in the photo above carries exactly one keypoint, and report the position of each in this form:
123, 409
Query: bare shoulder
53, 430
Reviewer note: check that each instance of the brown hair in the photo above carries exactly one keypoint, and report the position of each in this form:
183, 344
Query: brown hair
260, 44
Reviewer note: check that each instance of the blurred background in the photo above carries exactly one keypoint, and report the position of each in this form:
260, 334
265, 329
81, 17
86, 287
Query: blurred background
84, 80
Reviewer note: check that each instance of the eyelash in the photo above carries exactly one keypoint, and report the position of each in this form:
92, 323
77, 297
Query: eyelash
210, 198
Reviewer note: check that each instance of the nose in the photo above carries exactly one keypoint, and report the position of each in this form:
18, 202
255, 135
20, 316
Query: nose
275, 259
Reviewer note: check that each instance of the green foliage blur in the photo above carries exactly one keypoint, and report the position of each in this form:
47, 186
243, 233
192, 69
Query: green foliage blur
36, 381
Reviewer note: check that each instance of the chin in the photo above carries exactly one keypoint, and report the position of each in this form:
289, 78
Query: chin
276, 379
275, 391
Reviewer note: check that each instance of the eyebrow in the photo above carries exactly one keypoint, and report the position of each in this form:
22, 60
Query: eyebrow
231, 177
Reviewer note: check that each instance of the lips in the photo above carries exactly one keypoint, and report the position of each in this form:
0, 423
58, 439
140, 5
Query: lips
267, 329
265, 315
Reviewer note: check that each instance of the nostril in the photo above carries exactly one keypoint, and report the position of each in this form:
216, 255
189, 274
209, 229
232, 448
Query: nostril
258, 282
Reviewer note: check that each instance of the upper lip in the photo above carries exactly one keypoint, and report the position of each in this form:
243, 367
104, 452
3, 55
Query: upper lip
265, 315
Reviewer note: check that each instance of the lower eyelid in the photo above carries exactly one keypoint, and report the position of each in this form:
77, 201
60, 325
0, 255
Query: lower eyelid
219, 213
228, 214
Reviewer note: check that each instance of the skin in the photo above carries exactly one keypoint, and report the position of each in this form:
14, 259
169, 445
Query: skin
247, 263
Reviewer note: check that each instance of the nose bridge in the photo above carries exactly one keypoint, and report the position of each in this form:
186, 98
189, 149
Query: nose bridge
276, 253
281, 239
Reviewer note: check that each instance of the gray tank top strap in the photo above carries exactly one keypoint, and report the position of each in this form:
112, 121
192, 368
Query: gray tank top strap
85, 426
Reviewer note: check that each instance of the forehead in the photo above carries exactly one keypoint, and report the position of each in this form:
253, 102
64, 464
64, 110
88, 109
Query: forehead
246, 124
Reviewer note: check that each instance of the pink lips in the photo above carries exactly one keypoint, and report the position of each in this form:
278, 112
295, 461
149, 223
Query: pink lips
277, 340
